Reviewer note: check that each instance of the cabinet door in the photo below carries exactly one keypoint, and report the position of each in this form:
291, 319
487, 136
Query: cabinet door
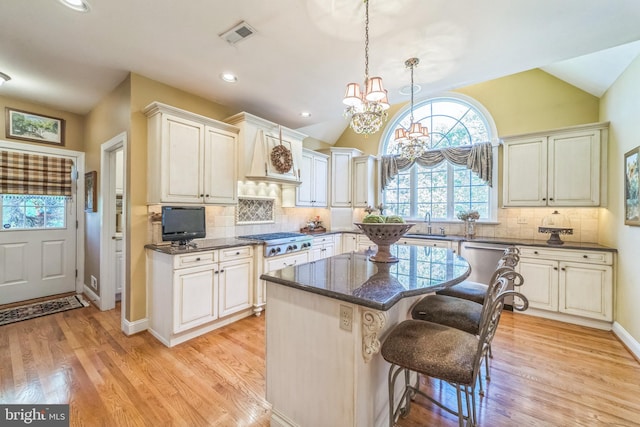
586, 290
320, 178
574, 169
540, 282
341, 180
182, 160
349, 242
364, 182
304, 192
194, 293
220, 177
525, 172
236, 283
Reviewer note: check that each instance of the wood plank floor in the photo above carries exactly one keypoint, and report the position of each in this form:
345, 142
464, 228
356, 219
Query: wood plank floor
544, 373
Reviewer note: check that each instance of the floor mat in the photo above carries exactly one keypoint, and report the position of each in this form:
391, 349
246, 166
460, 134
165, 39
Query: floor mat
42, 308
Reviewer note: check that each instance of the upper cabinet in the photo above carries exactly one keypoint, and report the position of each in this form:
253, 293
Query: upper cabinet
267, 151
556, 168
191, 158
314, 169
364, 181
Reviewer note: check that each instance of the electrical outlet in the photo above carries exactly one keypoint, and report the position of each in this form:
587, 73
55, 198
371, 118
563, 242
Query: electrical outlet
94, 283
522, 220
346, 317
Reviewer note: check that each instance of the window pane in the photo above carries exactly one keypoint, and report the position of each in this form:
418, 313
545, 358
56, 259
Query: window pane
32, 212
451, 122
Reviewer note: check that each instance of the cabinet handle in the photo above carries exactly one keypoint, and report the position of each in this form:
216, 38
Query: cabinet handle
237, 253
221, 271
202, 195
551, 199
215, 272
535, 252
198, 259
544, 198
585, 256
563, 269
207, 195
555, 268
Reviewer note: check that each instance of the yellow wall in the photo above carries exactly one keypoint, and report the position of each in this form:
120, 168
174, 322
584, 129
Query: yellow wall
143, 92
520, 103
74, 123
621, 106
108, 118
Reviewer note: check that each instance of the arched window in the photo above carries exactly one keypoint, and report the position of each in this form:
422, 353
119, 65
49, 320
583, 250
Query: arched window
445, 189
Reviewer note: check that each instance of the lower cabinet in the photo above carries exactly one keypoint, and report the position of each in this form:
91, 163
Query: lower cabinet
571, 285
349, 242
323, 247
191, 294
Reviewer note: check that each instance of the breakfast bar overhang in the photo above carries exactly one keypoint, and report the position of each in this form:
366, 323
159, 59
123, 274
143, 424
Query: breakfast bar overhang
325, 322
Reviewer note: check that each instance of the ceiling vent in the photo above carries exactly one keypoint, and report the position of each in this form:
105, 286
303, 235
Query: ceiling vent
238, 33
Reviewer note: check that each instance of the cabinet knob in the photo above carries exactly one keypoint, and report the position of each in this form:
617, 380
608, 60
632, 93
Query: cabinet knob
198, 259
215, 272
221, 271
535, 252
551, 199
585, 256
207, 195
563, 269
555, 268
544, 198
202, 195
237, 253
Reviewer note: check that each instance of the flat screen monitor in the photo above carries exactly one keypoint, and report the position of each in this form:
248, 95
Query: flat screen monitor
182, 224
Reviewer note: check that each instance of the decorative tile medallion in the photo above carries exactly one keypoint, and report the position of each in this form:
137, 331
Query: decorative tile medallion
255, 211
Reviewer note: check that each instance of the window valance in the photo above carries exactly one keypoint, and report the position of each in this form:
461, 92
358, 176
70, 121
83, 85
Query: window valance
477, 157
22, 173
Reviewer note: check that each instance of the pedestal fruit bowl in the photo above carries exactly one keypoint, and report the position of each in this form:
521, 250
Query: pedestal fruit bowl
384, 235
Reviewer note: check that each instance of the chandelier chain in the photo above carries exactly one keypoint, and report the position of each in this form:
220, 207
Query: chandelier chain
366, 41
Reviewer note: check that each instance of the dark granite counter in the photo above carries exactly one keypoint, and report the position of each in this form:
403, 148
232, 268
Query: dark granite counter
351, 277
203, 245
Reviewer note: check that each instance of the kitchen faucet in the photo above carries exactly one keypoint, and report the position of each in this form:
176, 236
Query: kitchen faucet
427, 219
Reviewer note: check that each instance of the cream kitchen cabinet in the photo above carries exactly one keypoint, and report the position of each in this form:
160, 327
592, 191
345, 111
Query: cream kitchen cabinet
341, 176
570, 285
349, 242
191, 158
557, 168
434, 243
364, 181
314, 169
323, 247
195, 292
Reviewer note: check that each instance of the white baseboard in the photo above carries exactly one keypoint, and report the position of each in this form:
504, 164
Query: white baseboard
130, 328
281, 420
627, 339
90, 293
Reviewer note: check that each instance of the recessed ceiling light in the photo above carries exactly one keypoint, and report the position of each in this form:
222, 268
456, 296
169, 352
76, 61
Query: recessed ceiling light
4, 78
77, 5
305, 114
229, 77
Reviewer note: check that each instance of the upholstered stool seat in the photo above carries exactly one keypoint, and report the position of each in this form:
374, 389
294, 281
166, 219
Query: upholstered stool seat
449, 311
472, 291
435, 350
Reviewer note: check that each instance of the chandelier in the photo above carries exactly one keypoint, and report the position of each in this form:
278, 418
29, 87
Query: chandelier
367, 111
411, 143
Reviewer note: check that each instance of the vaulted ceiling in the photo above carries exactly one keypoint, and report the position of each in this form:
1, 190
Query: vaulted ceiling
304, 52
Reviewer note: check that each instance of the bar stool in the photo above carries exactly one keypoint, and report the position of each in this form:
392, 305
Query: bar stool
444, 353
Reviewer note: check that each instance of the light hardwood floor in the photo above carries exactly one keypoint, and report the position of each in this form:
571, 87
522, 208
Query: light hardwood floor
544, 373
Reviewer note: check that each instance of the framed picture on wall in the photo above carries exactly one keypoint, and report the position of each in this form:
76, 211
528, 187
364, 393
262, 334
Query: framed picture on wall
34, 127
631, 178
90, 191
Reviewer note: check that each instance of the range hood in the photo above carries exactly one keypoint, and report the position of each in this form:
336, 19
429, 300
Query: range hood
271, 159
265, 149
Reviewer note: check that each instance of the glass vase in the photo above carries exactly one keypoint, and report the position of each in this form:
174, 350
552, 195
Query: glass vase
469, 229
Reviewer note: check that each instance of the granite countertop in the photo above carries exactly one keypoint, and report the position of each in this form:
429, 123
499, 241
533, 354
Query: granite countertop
496, 240
351, 277
204, 245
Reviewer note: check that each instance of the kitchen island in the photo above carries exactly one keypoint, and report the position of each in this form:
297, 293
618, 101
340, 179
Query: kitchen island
325, 321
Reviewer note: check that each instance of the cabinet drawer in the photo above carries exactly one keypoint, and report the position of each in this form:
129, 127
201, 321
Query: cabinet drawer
236, 253
593, 257
194, 259
317, 241
425, 242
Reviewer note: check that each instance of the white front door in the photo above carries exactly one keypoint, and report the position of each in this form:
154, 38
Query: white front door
36, 262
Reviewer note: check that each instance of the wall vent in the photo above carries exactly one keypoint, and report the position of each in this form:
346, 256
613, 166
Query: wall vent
238, 33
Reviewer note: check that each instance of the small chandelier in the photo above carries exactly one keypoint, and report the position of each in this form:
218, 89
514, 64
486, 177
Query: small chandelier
367, 111
411, 143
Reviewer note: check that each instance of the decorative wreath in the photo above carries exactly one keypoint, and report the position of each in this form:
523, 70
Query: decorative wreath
281, 158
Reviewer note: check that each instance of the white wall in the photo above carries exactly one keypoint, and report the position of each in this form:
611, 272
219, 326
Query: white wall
621, 107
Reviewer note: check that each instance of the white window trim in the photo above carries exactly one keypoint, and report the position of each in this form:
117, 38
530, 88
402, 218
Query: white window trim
495, 142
